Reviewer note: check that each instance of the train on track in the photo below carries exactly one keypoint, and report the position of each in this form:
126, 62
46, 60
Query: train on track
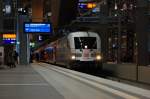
74, 50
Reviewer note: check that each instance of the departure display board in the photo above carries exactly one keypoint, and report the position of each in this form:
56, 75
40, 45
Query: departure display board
33, 27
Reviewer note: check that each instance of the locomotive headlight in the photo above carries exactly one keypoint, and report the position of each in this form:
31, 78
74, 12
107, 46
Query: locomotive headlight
73, 57
98, 57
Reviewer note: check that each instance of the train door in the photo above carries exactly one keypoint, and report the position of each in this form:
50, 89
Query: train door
54, 54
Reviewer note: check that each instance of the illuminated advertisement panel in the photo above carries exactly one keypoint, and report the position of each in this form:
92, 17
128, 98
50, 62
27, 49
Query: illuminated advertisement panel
12, 36
9, 38
33, 27
88, 8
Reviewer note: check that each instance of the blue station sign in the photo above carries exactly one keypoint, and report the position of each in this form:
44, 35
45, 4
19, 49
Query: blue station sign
37, 27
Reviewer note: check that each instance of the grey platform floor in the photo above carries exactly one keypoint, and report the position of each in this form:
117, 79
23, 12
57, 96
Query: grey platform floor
24, 82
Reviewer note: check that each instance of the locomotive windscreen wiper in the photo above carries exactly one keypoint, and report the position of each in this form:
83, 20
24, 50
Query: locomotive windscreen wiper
80, 44
93, 45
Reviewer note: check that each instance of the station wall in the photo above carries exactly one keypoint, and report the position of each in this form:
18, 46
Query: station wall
129, 72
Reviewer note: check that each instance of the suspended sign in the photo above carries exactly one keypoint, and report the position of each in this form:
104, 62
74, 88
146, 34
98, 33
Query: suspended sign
87, 5
36, 27
7, 9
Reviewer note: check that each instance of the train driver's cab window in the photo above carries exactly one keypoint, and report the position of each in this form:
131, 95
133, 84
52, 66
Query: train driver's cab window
85, 42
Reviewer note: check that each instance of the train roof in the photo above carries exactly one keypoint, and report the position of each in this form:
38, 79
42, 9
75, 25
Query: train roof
80, 33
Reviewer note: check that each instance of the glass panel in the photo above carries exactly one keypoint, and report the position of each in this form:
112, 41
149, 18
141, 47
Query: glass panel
85, 42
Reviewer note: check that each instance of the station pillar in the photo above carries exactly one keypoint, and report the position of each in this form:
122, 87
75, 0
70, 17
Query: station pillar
103, 30
24, 47
1, 16
142, 33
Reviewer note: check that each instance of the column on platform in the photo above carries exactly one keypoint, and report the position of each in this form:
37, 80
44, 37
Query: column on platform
142, 34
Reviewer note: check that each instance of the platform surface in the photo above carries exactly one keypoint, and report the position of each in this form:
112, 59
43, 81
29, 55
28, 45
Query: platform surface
24, 82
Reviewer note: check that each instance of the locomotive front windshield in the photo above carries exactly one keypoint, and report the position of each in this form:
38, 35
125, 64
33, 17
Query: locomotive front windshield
85, 42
